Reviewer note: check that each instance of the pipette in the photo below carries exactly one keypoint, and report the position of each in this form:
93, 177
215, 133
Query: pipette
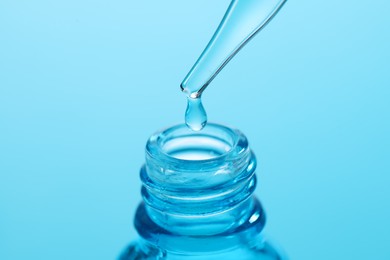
242, 20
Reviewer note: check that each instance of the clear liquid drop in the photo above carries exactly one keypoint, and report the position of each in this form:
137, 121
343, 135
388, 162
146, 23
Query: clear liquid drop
195, 116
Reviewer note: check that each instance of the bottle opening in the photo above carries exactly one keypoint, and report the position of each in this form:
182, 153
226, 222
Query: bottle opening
178, 158
196, 147
210, 143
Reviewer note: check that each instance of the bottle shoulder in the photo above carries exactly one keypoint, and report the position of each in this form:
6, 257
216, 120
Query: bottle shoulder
261, 250
244, 242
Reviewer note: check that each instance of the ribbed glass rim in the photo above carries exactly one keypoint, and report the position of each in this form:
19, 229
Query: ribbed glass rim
234, 138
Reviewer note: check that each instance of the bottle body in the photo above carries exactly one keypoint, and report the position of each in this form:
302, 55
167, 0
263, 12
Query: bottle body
198, 198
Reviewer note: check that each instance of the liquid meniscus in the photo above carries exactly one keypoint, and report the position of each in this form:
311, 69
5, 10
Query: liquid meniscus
195, 117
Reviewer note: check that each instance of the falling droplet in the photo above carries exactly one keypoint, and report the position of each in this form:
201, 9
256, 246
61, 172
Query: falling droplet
195, 116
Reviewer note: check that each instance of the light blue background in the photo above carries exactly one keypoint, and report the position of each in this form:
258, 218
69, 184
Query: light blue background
83, 84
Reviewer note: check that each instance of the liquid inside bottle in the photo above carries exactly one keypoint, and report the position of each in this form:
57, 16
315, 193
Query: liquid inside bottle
198, 202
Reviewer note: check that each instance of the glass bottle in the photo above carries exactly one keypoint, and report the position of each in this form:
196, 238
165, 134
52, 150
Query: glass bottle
198, 201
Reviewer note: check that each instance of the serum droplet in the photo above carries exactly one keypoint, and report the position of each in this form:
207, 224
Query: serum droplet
195, 117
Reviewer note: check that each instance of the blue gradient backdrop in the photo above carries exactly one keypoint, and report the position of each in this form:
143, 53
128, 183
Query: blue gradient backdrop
83, 84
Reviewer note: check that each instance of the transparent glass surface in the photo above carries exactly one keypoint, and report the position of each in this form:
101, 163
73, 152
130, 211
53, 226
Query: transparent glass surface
243, 19
198, 202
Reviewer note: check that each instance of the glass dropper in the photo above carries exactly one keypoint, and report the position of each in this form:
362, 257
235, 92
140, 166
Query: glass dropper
242, 20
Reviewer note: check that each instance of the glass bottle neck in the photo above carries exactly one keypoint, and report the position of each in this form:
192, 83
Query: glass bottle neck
197, 185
